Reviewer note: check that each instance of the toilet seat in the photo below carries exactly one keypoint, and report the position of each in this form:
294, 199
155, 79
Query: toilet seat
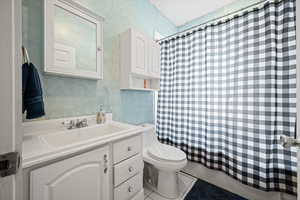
166, 152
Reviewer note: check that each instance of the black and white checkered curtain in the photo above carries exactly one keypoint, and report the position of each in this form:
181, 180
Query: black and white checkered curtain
228, 91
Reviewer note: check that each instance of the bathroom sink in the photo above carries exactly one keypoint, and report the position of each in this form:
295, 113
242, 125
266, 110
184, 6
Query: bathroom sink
70, 137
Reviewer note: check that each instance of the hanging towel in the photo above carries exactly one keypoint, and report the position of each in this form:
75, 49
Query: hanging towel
32, 92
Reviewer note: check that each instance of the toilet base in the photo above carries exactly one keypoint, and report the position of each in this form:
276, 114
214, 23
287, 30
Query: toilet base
168, 184
162, 176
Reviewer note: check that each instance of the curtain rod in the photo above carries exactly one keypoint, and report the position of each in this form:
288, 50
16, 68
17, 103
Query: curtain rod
214, 19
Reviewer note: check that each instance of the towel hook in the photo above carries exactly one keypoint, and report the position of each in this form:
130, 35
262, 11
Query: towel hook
26, 58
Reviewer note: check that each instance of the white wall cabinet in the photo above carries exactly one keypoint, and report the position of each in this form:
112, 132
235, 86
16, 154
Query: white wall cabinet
85, 176
140, 61
154, 60
139, 53
73, 40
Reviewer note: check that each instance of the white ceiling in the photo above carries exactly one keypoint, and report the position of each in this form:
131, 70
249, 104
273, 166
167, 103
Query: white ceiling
183, 11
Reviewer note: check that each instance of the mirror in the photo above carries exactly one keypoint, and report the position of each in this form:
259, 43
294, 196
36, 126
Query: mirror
73, 40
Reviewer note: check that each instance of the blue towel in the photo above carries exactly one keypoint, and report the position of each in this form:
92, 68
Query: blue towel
32, 92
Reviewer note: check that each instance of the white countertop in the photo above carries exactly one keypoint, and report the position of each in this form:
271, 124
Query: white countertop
37, 151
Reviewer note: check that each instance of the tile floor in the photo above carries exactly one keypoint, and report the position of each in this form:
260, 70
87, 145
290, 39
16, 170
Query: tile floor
186, 183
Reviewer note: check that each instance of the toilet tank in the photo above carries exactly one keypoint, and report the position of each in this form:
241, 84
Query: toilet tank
149, 135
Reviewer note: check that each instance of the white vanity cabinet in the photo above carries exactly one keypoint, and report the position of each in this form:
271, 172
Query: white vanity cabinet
140, 61
128, 169
111, 172
84, 176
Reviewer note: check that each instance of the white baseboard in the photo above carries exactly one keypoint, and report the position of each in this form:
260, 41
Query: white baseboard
224, 181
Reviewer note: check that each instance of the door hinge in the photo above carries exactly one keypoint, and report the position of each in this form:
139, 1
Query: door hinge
9, 163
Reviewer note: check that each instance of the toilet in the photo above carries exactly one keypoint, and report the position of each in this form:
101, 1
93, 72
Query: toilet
167, 161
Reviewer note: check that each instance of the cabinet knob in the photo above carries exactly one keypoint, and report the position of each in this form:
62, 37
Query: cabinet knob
105, 170
130, 189
105, 158
129, 148
130, 169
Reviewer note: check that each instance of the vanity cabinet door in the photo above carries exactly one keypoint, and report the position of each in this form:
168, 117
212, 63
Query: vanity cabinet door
139, 47
82, 177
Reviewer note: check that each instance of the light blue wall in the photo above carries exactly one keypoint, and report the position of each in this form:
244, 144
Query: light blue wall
234, 6
65, 97
143, 103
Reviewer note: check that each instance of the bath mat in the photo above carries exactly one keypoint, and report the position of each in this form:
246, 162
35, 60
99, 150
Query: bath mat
203, 190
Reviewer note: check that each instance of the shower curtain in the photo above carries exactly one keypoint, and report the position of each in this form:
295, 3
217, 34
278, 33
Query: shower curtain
228, 91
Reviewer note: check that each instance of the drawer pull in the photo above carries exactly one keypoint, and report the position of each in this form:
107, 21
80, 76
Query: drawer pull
130, 169
130, 189
129, 149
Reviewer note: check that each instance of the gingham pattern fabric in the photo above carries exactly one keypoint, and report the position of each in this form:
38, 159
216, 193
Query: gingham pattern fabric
227, 93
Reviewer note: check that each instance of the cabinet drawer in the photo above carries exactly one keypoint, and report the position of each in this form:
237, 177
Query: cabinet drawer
127, 169
128, 189
127, 148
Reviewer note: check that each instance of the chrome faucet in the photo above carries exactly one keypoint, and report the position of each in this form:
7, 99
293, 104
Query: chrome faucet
72, 124
69, 124
80, 123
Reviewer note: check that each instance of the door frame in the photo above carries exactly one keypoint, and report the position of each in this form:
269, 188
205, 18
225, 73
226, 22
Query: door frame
298, 87
11, 92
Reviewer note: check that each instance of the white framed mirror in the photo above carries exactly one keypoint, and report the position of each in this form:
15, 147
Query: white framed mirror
73, 40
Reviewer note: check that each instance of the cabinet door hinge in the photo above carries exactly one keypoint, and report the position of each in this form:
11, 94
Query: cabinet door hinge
9, 163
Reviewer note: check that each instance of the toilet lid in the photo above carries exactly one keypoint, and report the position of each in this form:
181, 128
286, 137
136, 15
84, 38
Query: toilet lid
166, 152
